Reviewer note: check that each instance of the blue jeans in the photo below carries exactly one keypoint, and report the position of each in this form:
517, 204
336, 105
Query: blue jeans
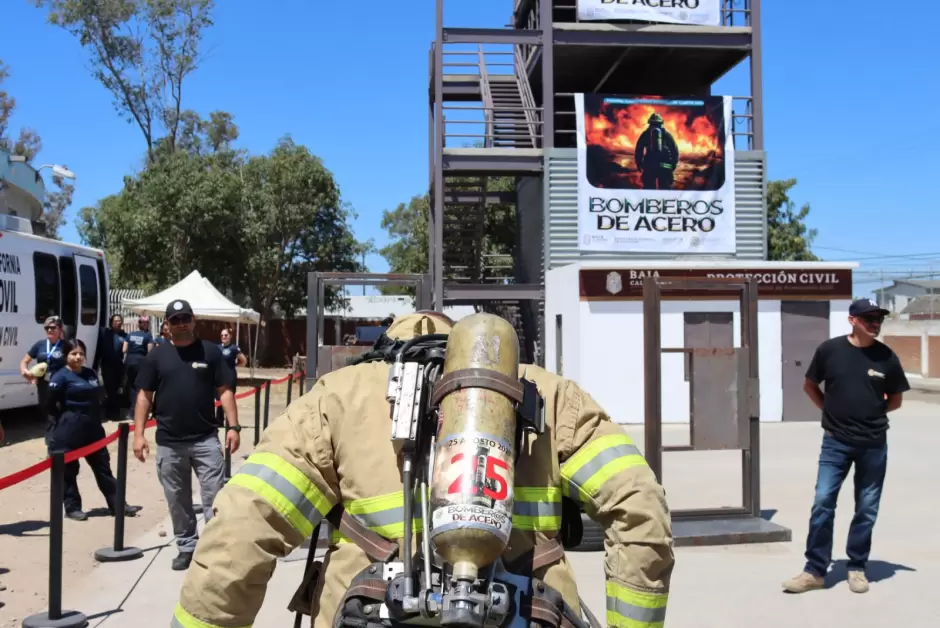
835, 460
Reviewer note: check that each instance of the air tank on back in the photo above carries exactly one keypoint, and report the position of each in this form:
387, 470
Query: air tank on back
472, 482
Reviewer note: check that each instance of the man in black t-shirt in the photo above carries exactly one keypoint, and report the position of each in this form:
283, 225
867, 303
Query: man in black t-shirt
186, 376
863, 381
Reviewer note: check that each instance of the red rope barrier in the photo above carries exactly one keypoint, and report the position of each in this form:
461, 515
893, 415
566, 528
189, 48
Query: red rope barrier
76, 454
25, 474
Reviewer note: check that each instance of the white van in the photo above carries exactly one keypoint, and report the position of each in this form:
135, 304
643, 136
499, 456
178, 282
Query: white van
41, 277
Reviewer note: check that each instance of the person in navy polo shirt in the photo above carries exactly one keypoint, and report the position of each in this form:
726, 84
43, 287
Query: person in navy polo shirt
110, 358
75, 413
233, 357
863, 381
137, 345
52, 351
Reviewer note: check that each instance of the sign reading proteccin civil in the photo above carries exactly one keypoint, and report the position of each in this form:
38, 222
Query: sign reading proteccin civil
704, 12
655, 175
625, 284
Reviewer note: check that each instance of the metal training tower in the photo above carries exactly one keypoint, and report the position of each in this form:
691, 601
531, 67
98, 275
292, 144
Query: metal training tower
502, 129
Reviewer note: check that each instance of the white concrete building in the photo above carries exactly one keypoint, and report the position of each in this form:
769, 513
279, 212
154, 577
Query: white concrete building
594, 310
901, 292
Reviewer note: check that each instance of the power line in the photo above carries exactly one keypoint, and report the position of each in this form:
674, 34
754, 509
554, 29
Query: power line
907, 256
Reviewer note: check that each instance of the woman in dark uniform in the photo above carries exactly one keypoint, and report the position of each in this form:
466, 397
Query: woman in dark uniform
232, 355
75, 411
111, 359
164, 337
50, 351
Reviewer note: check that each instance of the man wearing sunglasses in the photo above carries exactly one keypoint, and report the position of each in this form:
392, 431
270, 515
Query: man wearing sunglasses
863, 381
186, 375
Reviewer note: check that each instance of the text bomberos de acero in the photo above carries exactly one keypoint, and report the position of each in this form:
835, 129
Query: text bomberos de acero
668, 215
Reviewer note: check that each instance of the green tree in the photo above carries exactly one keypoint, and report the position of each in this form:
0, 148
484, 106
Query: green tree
292, 220
141, 51
28, 144
407, 227
788, 238
254, 225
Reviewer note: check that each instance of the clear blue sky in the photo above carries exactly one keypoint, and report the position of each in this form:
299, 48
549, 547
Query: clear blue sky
850, 99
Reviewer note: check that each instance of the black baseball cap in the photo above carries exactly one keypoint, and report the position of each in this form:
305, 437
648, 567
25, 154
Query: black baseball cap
175, 308
862, 307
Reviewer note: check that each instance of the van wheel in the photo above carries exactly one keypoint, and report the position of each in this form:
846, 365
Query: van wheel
592, 538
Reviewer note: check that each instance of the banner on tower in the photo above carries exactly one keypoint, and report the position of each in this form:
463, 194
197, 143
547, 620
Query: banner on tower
655, 174
701, 12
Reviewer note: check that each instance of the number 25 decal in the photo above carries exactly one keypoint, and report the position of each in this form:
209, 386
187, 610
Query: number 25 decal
494, 484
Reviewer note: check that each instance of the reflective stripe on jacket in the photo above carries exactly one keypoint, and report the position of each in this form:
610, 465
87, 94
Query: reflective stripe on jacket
332, 445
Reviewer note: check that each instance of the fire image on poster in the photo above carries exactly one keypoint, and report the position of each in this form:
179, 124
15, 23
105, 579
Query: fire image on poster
655, 174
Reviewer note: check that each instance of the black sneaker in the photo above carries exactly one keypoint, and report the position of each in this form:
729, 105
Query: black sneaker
181, 562
129, 511
77, 515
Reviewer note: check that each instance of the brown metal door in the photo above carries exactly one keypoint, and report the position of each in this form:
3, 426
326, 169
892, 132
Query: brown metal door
707, 330
804, 326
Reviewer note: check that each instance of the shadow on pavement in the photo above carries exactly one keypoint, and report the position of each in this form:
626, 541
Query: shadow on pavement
21, 424
876, 571
23, 528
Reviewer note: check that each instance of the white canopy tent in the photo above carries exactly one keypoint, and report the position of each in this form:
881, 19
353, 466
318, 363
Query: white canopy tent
207, 303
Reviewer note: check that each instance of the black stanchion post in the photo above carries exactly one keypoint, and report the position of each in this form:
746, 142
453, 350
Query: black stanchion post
267, 403
55, 617
290, 385
257, 414
118, 552
228, 464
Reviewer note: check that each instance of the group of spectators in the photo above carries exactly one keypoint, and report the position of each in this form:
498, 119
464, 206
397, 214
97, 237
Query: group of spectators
176, 378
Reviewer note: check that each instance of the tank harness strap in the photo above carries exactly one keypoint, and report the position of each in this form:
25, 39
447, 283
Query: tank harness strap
543, 554
477, 378
375, 547
374, 588
546, 607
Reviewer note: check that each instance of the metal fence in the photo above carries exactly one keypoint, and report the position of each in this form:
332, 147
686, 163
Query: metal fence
116, 301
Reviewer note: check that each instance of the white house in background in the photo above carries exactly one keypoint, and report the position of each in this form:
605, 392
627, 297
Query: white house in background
897, 296
373, 307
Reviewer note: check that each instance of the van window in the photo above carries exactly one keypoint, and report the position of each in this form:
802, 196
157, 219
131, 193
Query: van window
89, 290
69, 291
46, 270
104, 301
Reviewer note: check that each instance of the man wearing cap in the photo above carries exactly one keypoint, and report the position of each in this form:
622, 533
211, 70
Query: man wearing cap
186, 375
863, 381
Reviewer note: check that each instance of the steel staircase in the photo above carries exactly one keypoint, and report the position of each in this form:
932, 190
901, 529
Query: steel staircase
511, 121
464, 228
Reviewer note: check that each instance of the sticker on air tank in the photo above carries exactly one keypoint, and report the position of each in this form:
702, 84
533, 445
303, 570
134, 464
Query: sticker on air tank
472, 487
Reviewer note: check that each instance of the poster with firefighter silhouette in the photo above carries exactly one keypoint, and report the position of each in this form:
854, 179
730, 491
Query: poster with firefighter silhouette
655, 174
472, 486
702, 12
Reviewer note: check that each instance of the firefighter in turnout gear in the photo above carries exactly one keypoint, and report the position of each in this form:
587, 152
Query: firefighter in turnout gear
657, 155
329, 458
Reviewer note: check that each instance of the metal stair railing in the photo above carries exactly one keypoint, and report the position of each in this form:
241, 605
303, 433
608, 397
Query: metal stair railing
487, 95
532, 113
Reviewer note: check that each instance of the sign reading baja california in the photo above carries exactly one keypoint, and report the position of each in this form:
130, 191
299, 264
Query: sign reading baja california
705, 12
477, 470
655, 175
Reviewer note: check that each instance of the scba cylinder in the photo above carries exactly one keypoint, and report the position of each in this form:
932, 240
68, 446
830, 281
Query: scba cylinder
472, 481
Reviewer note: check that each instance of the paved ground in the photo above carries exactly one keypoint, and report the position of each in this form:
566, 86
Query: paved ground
24, 510
712, 587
